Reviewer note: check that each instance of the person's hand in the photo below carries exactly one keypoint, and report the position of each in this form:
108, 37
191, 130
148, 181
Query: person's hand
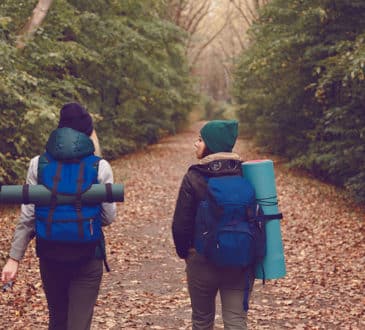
10, 270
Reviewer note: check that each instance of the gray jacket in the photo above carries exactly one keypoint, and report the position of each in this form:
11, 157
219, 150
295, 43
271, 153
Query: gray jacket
25, 229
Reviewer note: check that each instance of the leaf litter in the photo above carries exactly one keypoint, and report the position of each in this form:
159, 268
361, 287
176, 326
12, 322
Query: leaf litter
323, 236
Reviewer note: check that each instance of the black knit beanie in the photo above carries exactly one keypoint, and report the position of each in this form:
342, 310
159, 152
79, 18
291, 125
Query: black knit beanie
73, 115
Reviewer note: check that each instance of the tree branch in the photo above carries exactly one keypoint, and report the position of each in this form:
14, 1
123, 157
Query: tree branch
29, 29
197, 55
243, 14
202, 11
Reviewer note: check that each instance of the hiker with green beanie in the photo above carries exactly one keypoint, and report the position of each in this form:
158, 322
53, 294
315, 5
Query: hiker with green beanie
213, 150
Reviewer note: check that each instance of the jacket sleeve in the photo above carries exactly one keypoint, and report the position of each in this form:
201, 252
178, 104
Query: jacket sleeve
108, 210
25, 230
184, 218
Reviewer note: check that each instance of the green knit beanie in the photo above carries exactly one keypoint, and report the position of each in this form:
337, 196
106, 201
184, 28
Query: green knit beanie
220, 135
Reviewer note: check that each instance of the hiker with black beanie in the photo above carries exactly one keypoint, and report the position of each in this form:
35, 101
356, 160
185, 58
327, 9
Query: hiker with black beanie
71, 267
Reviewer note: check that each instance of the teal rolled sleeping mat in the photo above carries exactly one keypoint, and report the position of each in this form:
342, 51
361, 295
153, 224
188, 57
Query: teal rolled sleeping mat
40, 195
260, 173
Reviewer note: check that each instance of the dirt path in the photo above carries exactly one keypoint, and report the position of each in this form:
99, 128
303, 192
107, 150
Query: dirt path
325, 272
323, 239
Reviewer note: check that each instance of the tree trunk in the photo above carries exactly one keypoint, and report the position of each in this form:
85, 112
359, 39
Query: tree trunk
39, 14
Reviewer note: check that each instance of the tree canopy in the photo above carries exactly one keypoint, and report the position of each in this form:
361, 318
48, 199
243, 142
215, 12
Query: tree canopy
301, 89
121, 59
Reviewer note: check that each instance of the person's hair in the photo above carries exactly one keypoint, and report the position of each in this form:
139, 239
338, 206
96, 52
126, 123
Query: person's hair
206, 151
95, 140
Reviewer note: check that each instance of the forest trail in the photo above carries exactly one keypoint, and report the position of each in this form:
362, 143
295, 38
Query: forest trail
323, 235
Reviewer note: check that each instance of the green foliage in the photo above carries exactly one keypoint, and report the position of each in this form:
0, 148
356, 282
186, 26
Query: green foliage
120, 59
213, 109
300, 87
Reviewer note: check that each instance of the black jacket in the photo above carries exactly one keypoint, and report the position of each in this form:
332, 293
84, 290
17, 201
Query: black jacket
193, 190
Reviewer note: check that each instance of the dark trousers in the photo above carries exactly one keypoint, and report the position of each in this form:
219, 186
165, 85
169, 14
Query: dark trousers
71, 290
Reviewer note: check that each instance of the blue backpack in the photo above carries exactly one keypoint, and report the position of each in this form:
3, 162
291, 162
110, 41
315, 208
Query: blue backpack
230, 227
228, 230
77, 225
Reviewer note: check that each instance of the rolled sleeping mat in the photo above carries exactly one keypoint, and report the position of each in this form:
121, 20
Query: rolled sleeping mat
260, 173
40, 195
